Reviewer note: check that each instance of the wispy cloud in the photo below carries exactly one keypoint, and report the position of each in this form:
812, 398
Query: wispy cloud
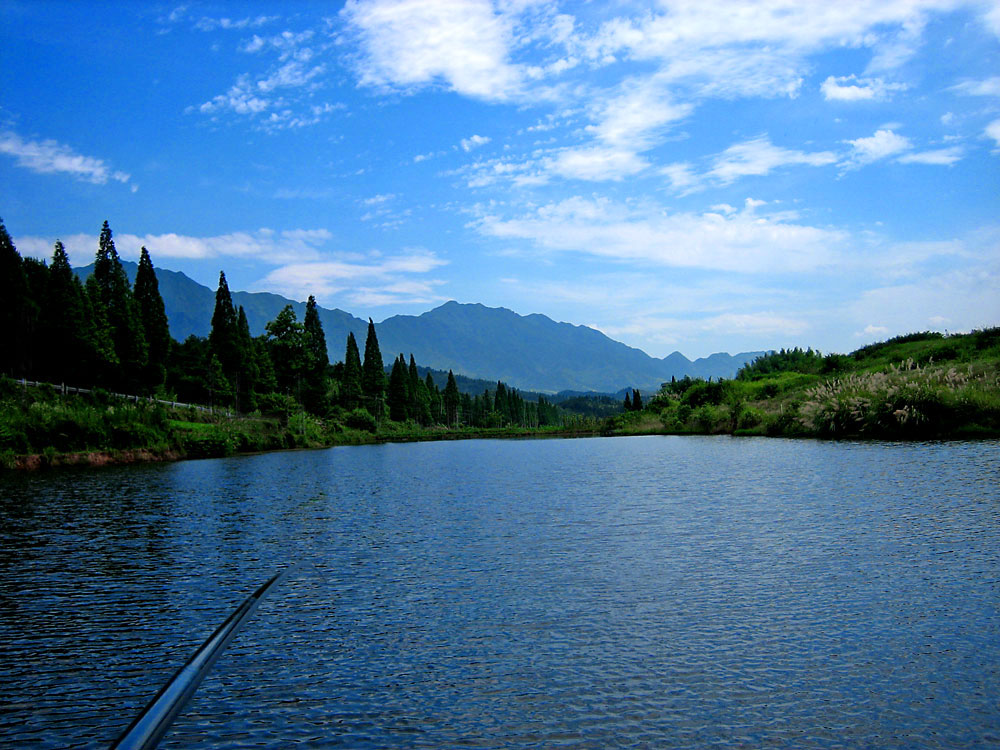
941, 156
52, 157
745, 241
474, 141
368, 281
852, 89
881, 145
993, 131
759, 156
264, 245
206, 23
284, 95
985, 87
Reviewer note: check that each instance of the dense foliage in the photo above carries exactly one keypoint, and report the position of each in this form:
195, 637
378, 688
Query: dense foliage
925, 385
107, 334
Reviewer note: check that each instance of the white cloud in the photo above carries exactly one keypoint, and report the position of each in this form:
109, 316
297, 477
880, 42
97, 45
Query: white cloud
264, 245
942, 156
52, 157
985, 87
966, 297
596, 163
759, 156
281, 97
852, 88
372, 281
463, 44
993, 131
211, 24
873, 330
883, 144
633, 114
474, 141
746, 241
681, 176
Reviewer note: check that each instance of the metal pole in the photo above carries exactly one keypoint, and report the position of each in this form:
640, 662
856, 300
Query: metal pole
148, 728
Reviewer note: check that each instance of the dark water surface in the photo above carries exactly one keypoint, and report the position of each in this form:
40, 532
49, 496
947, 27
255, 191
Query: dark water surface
629, 592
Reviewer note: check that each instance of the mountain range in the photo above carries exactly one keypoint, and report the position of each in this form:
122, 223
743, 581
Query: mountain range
529, 352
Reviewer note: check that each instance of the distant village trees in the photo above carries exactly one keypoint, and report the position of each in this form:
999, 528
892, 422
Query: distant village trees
115, 335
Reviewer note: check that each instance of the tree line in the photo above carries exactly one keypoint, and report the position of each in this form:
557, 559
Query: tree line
114, 334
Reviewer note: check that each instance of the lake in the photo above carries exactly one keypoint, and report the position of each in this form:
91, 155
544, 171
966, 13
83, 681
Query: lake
620, 592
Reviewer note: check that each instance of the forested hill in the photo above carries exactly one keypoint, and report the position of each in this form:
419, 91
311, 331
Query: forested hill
537, 353
531, 352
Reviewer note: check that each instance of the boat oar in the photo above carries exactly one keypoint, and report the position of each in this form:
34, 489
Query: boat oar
151, 724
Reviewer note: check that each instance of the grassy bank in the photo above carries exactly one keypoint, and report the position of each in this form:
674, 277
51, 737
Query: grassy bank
923, 386
916, 387
41, 427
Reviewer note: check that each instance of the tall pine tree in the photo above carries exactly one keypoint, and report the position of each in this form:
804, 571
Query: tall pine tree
153, 315
373, 374
451, 399
15, 308
317, 360
64, 323
114, 294
350, 388
223, 337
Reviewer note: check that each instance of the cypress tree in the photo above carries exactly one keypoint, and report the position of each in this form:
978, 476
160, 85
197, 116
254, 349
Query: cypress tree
628, 401
222, 339
433, 399
114, 294
15, 308
317, 360
398, 396
104, 361
63, 321
419, 401
373, 373
451, 401
315, 338
153, 315
249, 365
350, 388
636, 400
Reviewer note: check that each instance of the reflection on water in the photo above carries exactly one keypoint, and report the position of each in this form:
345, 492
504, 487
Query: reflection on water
655, 591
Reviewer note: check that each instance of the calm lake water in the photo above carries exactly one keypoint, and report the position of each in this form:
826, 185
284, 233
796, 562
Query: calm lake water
628, 592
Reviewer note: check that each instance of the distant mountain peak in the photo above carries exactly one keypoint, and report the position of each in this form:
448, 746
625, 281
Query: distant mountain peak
530, 352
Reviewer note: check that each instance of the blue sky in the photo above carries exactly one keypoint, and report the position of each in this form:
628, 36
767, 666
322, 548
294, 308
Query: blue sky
686, 175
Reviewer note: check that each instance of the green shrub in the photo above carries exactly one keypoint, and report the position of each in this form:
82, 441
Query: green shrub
360, 419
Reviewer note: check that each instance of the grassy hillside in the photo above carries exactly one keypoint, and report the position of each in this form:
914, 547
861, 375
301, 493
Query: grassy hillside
919, 386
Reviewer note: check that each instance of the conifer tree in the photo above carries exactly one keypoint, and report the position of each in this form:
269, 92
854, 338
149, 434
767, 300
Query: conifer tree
63, 323
153, 315
419, 402
102, 346
286, 344
222, 339
373, 374
317, 360
15, 307
249, 365
636, 400
628, 401
398, 396
114, 294
451, 401
433, 399
350, 388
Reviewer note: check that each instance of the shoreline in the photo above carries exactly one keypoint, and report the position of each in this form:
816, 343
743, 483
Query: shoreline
33, 462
